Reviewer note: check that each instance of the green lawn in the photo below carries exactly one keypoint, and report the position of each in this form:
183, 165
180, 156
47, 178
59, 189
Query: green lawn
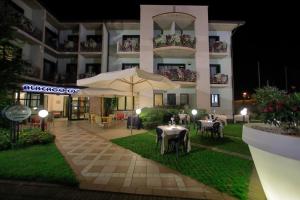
36, 163
233, 143
227, 173
234, 130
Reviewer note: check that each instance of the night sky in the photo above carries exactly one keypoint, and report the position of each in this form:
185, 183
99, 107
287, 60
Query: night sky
269, 36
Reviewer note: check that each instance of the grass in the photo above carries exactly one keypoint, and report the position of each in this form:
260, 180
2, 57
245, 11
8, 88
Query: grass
42, 163
226, 173
234, 130
232, 143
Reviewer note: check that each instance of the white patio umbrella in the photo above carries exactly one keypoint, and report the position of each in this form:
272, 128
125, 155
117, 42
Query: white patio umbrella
131, 80
102, 92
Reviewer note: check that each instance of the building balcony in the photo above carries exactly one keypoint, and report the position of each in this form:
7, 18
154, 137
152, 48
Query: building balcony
219, 80
183, 75
174, 45
128, 49
26, 25
218, 49
90, 46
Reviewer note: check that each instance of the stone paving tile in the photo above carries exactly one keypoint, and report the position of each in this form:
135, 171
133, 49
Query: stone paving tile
101, 165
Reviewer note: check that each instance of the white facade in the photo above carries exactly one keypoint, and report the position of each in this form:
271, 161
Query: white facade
79, 50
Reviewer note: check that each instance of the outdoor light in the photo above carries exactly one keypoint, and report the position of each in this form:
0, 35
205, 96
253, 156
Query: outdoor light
138, 111
244, 112
194, 113
43, 113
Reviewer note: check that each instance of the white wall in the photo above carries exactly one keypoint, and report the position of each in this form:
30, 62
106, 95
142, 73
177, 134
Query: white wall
55, 102
115, 62
226, 93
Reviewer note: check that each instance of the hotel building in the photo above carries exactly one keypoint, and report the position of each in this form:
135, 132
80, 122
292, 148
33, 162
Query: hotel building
178, 42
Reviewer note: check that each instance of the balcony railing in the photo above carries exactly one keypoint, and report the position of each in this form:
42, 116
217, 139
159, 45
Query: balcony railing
219, 79
128, 46
26, 25
174, 40
179, 74
218, 47
90, 46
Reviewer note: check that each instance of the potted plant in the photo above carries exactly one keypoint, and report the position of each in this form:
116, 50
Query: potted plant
275, 144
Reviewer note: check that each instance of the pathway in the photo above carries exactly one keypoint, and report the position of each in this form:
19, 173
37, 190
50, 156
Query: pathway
101, 165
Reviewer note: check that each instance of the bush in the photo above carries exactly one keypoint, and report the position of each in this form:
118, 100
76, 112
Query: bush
4, 139
278, 108
153, 117
33, 136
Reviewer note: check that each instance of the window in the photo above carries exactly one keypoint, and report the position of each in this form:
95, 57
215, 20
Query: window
161, 66
215, 100
214, 69
30, 99
92, 68
125, 103
130, 65
171, 99
121, 103
50, 70
212, 41
158, 99
184, 99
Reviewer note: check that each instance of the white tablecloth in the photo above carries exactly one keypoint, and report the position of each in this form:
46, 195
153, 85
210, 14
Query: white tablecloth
170, 132
241, 118
209, 124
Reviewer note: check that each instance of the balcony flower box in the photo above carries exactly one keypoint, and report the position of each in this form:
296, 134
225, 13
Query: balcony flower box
183, 40
179, 74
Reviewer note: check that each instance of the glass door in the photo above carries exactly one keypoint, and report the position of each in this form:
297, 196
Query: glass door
80, 108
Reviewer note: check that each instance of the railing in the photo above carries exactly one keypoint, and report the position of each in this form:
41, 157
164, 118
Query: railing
179, 74
26, 25
90, 46
128, 46
219, 79
218, 47
174, 40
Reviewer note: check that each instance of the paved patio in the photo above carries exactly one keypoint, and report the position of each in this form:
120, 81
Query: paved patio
104, 166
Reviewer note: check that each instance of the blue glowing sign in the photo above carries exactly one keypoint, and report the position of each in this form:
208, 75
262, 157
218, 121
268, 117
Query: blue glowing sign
48, 89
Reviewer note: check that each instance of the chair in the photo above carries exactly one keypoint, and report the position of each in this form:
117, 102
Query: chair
199, 127
106, 121
35, 122
178, 141
159, 133
215, 129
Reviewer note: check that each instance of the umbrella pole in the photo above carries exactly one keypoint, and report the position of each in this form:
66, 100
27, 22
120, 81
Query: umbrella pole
131, 121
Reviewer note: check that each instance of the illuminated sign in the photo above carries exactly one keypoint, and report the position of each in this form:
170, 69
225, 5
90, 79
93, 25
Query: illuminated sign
17, 113
48, 89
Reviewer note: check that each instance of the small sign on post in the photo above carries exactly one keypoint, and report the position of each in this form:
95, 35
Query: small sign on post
16, 114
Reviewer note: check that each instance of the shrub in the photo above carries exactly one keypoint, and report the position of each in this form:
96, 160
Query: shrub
153, 117
33, 136
4, 139
278, 108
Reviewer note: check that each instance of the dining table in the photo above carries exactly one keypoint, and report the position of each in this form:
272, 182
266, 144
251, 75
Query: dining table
171, 131
208, 124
